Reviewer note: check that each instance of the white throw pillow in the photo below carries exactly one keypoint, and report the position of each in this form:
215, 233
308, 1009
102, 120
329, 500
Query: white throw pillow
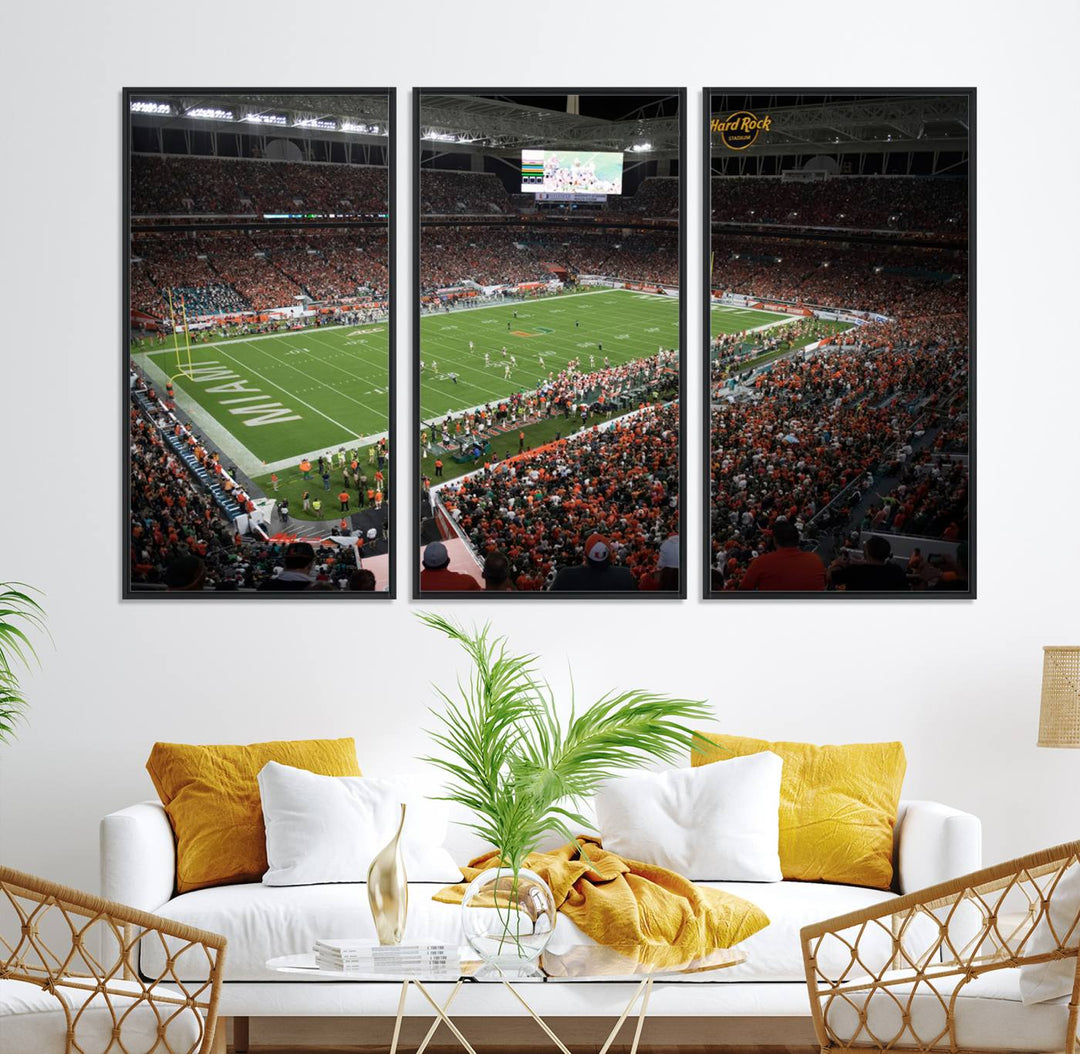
1043, 982
330, 828
716, 823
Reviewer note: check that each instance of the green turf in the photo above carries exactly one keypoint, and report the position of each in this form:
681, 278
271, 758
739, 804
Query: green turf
536, 434
629, 325
291, 485
291, 393
729, 319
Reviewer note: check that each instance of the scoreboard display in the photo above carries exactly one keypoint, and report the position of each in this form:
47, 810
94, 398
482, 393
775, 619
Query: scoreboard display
571, 172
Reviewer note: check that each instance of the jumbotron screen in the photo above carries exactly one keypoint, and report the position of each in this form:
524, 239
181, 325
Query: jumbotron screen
573, 172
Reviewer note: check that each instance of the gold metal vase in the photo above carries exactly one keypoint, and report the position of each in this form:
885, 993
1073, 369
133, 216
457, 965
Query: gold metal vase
388, 889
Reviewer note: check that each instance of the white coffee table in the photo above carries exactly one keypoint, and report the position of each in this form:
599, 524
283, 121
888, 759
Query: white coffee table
583, 963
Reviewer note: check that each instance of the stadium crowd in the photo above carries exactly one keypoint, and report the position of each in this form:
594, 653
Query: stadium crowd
450, 192
221, 272
931, 500
902, 203
178, 185
657, 197
445, 192
179, 539
541, 508
901, 280
513, 255
813, 434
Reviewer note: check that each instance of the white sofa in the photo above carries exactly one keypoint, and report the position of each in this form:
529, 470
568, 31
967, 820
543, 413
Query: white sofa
764, 999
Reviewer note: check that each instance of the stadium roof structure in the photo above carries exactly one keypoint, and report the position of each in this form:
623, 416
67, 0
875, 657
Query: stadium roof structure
474, 123
885, 124
344, 116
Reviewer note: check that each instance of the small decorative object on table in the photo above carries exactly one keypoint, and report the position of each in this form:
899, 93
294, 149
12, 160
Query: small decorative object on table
388, 889
363, 956
519, 768
515, 934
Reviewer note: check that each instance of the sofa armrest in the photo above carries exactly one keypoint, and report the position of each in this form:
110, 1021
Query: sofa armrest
935, 843
138, 856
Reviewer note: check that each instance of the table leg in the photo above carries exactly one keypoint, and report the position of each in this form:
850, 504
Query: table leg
641, 1015
537, 1018
400, 1014
435, 1024
442, 1016
626, 1013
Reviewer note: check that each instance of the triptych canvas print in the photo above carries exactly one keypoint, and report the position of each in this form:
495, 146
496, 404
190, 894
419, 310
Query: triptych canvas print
545, 452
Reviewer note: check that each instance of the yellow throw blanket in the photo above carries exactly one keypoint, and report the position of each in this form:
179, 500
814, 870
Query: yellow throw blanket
640, 910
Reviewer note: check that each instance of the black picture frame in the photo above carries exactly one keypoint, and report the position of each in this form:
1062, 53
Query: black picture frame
634, 598
313, 596
708, 592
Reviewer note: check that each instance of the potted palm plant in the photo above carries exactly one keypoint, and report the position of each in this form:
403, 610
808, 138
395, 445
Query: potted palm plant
522, 771
18, 612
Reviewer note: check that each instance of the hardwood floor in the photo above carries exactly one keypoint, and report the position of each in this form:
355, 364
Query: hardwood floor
616, 1049
519, 1035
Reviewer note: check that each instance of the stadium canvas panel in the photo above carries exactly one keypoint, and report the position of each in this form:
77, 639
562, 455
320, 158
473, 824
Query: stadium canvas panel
258, 362
839, 331
547, 365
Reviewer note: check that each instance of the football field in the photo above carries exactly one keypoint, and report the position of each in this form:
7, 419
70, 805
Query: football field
729, 319
283, 395
617, 323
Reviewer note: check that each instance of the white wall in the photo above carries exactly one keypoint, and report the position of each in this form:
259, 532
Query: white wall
957, 682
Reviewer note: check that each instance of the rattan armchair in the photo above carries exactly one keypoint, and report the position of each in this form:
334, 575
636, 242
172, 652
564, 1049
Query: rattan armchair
69, 978
928, 971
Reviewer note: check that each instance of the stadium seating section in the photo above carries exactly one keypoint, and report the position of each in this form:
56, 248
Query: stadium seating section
893, 203
171, 185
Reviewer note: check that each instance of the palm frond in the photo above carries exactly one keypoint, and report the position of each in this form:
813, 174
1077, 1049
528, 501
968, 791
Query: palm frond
513, 762
18, 609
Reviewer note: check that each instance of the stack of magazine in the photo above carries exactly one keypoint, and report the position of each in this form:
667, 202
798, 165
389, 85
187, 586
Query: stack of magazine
363, 956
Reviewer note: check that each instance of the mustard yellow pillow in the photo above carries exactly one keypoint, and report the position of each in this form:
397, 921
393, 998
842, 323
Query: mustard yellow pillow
212, 797
838, 806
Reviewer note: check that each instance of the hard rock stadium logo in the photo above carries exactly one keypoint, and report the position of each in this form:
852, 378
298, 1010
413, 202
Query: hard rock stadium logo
741, 129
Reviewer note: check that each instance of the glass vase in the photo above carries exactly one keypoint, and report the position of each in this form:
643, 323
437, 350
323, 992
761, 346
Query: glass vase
508, 919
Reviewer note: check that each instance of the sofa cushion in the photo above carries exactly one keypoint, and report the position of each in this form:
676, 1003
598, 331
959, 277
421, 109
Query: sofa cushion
1058, 927
262, 922
330, 828
838, 806
719, 822
211, 794
32, 1021
989, 1015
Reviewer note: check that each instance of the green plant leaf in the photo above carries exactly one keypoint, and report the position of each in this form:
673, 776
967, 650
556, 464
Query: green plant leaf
513, 763
18, 609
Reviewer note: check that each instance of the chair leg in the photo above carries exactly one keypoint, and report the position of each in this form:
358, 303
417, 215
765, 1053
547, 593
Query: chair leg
240, 1026
220, 1045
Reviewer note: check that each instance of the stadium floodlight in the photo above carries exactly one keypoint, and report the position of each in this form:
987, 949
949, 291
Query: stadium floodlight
641, 148
361, 129
266, 118
316, 122
145, 106
210, 113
